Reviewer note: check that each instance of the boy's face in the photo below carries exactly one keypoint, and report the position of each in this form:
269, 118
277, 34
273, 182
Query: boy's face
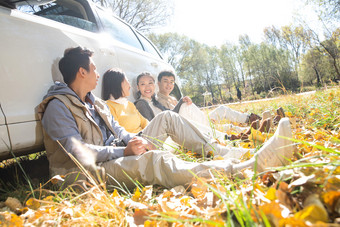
166, 85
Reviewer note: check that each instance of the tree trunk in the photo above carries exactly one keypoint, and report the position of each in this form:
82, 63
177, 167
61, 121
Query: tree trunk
317, 77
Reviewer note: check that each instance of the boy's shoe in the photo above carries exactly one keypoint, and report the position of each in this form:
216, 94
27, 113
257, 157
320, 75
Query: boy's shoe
253, 117
280, 112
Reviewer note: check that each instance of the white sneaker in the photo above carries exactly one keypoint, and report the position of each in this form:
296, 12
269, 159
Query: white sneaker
277, 150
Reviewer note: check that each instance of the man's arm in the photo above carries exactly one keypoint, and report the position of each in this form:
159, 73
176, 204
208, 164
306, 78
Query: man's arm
59, 124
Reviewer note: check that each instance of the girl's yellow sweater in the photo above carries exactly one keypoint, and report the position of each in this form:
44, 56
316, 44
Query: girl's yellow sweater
127, 116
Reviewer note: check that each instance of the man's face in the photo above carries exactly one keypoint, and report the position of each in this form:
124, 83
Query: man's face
166, 85
92, 75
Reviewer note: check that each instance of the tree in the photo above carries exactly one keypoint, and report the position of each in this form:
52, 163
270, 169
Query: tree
228, 63
270, 67
294, 39
322, 61
174, 47
329, 47
142, 14
332, 48
245, 43
328, 10
311, 67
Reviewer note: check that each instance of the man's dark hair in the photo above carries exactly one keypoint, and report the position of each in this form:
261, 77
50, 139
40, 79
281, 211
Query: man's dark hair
165, 73
112, 83
73, 59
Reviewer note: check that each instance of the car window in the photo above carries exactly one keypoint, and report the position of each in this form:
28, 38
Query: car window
119, 30
71, 13
148, 47
176, 92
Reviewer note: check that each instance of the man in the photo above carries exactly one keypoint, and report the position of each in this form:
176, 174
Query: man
70, 110
166, 81
239, 94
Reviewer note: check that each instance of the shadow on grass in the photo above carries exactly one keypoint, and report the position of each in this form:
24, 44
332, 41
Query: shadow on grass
12, 180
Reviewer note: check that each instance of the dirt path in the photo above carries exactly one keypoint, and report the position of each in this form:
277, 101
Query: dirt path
252, 101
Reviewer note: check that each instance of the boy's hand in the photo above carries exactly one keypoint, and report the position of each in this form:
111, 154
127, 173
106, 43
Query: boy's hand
187, 100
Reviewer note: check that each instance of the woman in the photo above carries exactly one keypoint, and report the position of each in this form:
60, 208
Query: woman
116, 89
146, 102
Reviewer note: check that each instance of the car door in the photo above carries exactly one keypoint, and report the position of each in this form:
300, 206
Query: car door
31, 48
4, 142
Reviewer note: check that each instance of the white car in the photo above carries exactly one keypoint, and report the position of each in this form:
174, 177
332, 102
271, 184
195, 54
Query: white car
34, 35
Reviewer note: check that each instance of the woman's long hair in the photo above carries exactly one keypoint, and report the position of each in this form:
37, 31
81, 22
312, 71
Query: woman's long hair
112, 83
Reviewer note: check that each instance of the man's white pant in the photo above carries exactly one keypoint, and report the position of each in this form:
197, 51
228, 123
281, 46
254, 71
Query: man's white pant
159, 167
164, 168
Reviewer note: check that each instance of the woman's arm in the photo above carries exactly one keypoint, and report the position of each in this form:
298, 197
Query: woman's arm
144, 108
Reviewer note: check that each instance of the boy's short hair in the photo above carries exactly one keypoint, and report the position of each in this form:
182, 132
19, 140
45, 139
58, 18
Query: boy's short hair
73, 59
165, 73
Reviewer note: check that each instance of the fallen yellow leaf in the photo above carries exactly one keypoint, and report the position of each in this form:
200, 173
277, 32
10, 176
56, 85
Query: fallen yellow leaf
136, 196
32, 203
312, 213
314, 210
271, 194
331, 198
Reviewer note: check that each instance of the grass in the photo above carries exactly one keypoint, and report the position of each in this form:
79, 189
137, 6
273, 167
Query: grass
300, 194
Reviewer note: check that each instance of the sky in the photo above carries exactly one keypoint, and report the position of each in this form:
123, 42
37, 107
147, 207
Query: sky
215, 22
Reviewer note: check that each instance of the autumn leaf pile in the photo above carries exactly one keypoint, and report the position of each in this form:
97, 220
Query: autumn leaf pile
303, 193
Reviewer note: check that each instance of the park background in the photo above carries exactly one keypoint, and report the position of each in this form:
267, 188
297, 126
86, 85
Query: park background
288, 58
265, 48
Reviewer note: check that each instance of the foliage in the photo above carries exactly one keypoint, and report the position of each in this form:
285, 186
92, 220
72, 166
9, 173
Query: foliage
328, 10
304, 193
289, 57
142, 14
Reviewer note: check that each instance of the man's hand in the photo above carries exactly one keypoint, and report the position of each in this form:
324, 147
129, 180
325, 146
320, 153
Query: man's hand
136, 146
187, 100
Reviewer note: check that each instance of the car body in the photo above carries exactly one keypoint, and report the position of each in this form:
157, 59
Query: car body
33, 41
